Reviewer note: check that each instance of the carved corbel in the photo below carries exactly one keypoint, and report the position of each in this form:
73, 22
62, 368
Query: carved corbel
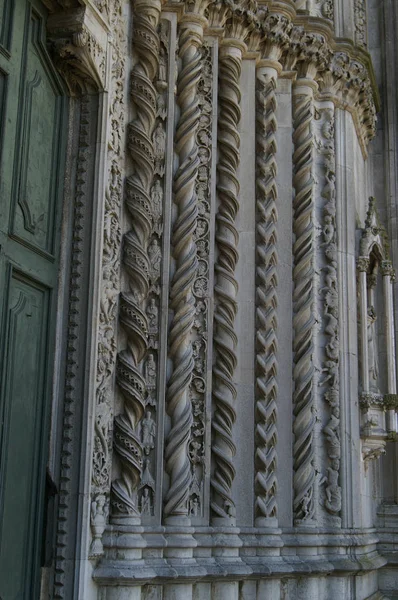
79, 43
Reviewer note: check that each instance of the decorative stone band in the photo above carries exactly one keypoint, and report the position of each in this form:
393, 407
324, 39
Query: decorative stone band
369, 399
347, 76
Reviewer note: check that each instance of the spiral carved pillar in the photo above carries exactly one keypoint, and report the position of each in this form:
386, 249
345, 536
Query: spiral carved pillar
226, 286
266, 298
182, 301
135, 257
303, 303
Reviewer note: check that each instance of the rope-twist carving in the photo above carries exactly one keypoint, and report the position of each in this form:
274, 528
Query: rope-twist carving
303, 302
132, 304
226, 287
182, 300
266, 300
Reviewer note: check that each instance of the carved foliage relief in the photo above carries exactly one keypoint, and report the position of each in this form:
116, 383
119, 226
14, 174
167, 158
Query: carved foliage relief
361, 33
101, 469
201, 286
328, 309
186, 177
149, 424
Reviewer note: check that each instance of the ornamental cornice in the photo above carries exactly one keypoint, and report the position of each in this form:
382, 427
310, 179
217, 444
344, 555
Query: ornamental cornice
79, 41
304, 45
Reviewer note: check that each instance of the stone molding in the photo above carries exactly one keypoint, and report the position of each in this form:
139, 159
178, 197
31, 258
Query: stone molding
358, 554
343, 72
72, 371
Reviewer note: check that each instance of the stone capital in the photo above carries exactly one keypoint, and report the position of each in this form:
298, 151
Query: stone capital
363, 263
387, 269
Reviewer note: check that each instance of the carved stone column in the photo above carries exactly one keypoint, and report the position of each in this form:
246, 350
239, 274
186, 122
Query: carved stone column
304, 301
182, 300
130, 377
363, 266
225, 340
388, 274
277, 28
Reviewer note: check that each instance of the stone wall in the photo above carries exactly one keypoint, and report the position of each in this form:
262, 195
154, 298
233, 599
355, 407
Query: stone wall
238, 416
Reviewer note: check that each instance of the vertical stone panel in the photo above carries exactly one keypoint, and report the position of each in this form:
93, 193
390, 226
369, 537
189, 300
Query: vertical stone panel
245, 274
285, 285
345, 192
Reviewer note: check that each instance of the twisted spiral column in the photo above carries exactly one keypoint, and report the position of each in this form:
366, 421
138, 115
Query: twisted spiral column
226, 286
266, 300
135, 256
303, 303
182, 300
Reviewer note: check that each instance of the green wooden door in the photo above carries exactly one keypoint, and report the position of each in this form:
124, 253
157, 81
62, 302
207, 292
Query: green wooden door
32, 122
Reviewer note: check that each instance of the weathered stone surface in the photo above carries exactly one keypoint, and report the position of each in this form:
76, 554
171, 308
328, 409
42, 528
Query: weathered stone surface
246, 371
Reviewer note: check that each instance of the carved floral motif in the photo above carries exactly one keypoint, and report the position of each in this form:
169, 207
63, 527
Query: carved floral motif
361, 34
103, 429
200, 286
329, 294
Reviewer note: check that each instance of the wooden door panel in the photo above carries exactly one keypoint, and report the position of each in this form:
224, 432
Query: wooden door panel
6, 16
32, 115
23, 419
37, 153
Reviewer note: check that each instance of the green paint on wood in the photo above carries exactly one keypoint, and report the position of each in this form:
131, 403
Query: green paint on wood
32, 120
